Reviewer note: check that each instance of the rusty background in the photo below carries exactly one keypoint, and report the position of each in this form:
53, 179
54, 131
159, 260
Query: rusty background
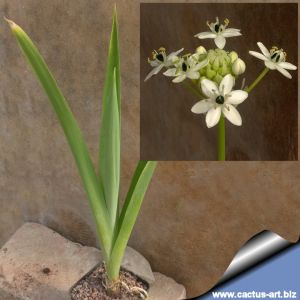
196, 215
169, 131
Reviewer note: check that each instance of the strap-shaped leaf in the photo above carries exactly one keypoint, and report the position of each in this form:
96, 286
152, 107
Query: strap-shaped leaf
110, 150
130, 210
73, 135
113, 63
109, 147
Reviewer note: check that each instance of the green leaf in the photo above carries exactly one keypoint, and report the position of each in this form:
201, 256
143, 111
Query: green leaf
73, 135
110, 150
109, 147
130, 210
113, 63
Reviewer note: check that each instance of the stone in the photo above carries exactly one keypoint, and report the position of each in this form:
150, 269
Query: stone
38, 263
165, 288
136, 263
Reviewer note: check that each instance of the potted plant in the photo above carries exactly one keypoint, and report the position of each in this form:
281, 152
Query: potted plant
114, 222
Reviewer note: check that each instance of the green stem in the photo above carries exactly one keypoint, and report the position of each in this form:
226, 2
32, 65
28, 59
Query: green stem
221, 139
257, 80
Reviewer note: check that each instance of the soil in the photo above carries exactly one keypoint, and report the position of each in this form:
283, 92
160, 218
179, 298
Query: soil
92, 287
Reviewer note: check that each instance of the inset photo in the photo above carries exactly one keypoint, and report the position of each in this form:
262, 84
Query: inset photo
219, 81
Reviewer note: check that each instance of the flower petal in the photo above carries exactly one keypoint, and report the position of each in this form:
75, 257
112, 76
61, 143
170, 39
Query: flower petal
205, 35
179, 78
213, 116
154, 63
287, 66
202, 106
171, 55
170, 72
209, 88
258, 55
284, 72
232, 115
193, 75
226, 84
236, 97
263, 49
220, 41
230, 32
270, 64
154, 71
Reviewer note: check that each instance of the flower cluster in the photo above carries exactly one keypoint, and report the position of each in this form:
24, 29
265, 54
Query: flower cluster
213, 72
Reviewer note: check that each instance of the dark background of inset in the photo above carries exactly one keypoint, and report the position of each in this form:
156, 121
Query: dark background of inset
169, 131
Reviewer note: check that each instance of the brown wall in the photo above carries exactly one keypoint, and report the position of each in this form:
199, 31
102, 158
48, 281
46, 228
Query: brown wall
169, 131
196, 215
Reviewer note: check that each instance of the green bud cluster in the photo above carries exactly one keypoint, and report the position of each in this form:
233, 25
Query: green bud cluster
219, 64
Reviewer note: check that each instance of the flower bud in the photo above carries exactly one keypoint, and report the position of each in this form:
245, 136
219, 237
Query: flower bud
201, 50
233, 56
238, 67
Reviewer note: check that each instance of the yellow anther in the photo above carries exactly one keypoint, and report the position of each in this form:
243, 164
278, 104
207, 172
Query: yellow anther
226, 21
154, 53
162, 49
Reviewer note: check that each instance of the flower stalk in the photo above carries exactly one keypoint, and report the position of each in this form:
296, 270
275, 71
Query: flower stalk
221, 139
257, 80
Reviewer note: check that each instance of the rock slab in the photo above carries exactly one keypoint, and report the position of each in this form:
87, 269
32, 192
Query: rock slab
165, 288
37, 264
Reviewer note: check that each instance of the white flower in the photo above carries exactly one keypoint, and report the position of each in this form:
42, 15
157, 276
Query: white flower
186, 68
274, 59
160, 60
238, 67
219, 32
221, 100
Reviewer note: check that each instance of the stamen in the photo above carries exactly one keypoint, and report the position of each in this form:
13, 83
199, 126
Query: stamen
154, 53
243, 83
226, 22
162, 49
